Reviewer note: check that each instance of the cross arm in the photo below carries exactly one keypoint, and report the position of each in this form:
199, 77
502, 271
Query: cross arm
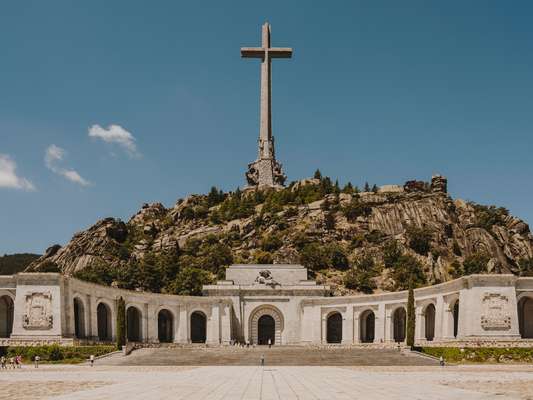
280, 52
252, 52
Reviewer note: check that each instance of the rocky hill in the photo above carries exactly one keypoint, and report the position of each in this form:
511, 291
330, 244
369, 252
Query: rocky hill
356, 241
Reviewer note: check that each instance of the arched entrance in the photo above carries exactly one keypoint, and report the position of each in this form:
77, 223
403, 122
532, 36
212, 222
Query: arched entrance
103, 321
399, 322
429, 320
455, 318
164, 326
266, 330
198, 327
367, 323
134, 324
525, 317
334, 328
260, 329
6, 316
79, 318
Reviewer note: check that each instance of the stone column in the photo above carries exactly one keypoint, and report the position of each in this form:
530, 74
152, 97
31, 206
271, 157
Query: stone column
420, 324
213, 325
177, 323
356, 328
225, 325
152, 324
388, 326
145, 323
439, 318
183, 335
380, 324
347, 326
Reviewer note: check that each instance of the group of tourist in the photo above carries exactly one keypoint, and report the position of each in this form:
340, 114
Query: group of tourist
14, 362
247, 343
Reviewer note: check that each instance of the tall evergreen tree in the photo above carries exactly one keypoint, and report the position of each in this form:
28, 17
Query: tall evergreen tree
317, 175
367, 187
411, 317
121, 323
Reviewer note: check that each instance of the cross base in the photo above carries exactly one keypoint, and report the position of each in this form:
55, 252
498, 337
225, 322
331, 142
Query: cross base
265, 172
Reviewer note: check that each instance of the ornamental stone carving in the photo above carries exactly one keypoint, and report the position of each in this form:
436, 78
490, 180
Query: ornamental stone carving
265, 278
495, 312
38, 314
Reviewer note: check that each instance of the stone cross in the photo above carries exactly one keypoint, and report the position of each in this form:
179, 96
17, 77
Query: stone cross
266, 171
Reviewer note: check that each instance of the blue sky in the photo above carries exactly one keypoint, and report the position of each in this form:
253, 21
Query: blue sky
378, 91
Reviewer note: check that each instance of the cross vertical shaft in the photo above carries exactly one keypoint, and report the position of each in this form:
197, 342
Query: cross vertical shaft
267, 172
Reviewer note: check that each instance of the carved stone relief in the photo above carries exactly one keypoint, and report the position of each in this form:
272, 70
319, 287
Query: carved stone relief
495, 312
38, 314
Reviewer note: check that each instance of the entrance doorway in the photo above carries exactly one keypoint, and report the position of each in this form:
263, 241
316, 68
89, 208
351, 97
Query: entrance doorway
266, 329
164, 326
334, 328
368, 321
198, 327
399, 321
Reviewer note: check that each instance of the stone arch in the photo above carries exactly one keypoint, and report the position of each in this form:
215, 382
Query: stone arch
367, 326
399, 322
525, 317
198, 327
165, 326
104, 322
273, 313
7, 312
134, 324
334, 327
79, 318
429, 322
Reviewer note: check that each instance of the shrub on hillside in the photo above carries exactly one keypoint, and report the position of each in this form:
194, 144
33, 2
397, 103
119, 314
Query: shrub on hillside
419, 239
356, 209
476, 263
407, 269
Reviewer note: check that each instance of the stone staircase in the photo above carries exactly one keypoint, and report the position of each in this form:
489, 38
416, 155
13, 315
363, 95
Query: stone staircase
282, 355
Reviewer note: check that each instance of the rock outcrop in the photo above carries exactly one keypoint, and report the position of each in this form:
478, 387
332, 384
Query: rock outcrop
457, 229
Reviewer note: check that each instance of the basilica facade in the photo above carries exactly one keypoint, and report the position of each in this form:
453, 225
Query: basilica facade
261, 304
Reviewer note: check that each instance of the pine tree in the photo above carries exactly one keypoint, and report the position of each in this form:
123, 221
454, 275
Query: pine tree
374, 188
411, 318
121, 323
348, 188
367, 187
336, 187
318, 175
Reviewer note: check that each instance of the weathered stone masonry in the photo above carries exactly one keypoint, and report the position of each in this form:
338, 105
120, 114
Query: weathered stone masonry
258, 303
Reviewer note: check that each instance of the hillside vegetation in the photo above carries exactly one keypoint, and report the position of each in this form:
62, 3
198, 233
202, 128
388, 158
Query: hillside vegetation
365, 241
13, 263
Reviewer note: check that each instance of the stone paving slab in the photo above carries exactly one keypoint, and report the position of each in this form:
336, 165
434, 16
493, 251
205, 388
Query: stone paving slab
265, 383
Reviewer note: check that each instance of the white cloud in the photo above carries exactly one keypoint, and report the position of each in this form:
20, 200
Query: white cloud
53, 156
115, 134
9, 177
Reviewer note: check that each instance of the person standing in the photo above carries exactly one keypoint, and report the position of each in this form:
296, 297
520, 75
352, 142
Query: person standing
269, 343
12, 362
262, 360
3, 362
36, 361
91, 358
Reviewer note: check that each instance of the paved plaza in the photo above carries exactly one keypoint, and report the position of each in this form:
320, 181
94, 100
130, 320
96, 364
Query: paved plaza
283, 382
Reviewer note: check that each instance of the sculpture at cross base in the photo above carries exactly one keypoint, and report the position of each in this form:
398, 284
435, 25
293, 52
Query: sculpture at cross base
266, 170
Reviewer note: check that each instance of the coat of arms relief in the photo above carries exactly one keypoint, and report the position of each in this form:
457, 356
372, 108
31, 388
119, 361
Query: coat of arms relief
38, 314
495, 313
